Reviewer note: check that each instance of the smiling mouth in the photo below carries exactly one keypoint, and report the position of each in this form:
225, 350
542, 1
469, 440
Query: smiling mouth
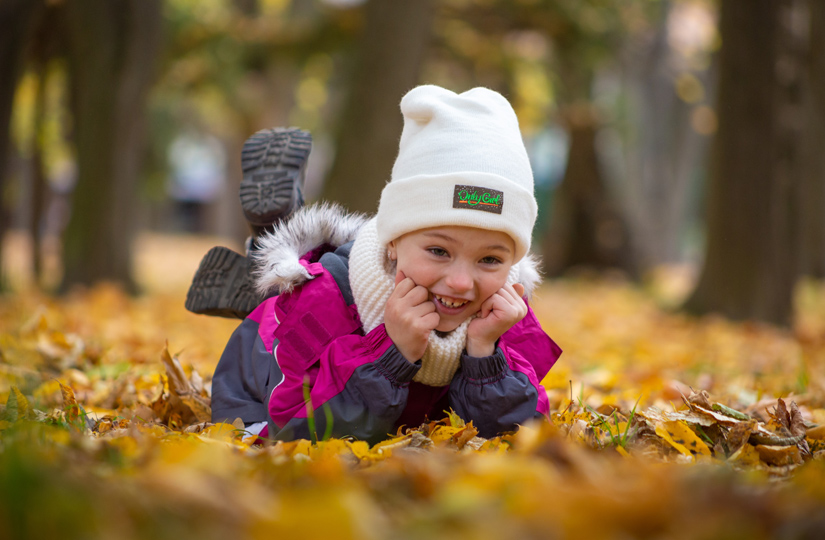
448, 302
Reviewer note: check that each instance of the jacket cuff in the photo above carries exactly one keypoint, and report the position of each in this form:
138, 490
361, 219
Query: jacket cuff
485, 369
395, 367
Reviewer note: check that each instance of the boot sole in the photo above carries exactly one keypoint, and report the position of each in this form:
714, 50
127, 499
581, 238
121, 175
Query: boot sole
222, 286
274, 166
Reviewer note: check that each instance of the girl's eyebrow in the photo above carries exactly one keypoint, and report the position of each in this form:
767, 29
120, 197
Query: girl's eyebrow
443, 236
448, 238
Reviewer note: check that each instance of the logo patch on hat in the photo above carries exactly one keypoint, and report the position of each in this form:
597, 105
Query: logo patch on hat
478, 198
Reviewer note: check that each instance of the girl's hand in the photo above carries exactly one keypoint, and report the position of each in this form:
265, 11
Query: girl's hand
498, 314
409, 317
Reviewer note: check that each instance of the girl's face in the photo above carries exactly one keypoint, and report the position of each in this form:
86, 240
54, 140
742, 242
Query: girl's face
461, 267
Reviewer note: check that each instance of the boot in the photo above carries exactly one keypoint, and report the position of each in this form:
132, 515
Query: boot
274, 167
223, 286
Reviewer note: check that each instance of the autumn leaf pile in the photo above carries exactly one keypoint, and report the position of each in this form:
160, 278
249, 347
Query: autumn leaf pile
661, 426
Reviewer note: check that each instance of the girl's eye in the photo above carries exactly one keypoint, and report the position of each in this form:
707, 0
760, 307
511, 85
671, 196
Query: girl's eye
491, 260
438, 252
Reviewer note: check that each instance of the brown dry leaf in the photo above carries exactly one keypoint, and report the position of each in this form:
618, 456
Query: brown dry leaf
199, 405
701, 399
739, 434
70, 405
791, 423
104, 425
462, 437
184, 399
176, 377
779, 455
796, 423
782, 417
817, 433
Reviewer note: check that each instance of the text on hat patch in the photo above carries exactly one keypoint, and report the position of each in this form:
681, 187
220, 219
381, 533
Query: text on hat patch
478, 198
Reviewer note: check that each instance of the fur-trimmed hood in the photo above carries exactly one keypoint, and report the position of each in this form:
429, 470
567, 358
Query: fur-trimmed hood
277, 266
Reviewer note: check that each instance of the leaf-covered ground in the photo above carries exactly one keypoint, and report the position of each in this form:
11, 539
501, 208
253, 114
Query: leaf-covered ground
662, 427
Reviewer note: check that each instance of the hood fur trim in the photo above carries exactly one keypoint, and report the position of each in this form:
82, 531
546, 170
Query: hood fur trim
276, 266
529, 274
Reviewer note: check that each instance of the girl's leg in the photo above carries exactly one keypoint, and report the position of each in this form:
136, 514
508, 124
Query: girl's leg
274, 167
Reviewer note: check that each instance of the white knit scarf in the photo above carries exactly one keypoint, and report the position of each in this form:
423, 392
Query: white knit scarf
372, 278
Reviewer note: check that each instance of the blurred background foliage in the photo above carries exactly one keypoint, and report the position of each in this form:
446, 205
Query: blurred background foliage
662, 132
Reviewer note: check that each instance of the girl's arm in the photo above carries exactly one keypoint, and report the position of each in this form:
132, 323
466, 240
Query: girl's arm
501, 391
361, 383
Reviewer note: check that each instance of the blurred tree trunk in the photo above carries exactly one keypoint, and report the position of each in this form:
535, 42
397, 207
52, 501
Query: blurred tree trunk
112, 49
585, 227
47, 42
393, 47
17, 19
664, 153
39, 180
752, 235
813, 227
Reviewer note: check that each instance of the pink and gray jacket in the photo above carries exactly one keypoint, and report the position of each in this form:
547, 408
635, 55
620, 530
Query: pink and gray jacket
311, 334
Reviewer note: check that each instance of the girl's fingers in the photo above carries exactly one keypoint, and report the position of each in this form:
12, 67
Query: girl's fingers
431, 320
421, 309
515, 294
403, 287
417, 295
487, 306
399, 277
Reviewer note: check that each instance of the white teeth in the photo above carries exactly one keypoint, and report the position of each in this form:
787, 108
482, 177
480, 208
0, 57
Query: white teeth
449, 303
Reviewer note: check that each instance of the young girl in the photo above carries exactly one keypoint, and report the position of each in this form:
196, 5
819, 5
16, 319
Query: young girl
398, 318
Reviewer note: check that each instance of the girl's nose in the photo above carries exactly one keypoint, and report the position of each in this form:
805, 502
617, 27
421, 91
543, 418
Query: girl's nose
459, 279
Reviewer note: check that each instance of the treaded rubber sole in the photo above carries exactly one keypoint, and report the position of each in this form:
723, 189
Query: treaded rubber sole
223, 286
274, 166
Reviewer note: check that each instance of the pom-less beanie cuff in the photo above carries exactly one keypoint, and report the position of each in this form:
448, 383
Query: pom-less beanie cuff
425, 201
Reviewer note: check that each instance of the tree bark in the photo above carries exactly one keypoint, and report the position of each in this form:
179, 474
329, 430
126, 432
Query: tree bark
393, 48
752, 242
113, 45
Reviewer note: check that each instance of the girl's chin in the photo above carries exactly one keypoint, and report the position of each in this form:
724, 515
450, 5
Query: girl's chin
448, 325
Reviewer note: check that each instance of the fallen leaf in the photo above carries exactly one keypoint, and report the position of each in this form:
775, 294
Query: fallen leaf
739, 434
70, 405
701, 399
746, 455
779, 455
463, 436
184, 400
816, 433
682, 438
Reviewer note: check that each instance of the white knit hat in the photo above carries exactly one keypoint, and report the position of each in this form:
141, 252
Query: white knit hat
461, 161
